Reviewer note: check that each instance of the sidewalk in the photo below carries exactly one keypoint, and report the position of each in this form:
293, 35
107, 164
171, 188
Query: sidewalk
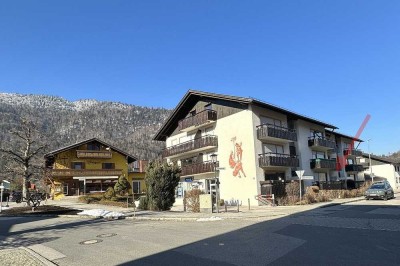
177, 213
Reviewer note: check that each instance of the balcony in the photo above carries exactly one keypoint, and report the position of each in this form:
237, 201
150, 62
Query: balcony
319, 143
323, 164
93, 154
198, 168
192, 146
85, 172
354, 168
267, 160
272, 132
352, 152
200, 119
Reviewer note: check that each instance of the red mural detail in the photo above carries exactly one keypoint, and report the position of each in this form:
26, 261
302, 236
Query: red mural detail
235, 158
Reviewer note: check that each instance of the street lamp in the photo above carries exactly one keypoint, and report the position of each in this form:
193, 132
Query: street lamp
370, 164
214, 161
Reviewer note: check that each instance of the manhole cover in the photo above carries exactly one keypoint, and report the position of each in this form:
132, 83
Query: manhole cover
90, 242
106, 235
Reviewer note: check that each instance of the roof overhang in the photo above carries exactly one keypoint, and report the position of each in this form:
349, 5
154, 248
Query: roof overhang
129, 157
192, 97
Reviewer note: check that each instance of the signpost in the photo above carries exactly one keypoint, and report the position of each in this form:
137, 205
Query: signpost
4, 185
300, 173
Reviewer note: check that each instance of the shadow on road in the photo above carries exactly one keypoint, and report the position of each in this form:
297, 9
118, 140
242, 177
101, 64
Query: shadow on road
338, 235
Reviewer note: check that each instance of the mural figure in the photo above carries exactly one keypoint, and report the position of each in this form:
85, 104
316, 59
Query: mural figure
235, 158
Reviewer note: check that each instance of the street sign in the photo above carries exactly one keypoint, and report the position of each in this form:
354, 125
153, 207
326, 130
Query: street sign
189, 179
300, 173
309, 177
6, 184
1, 187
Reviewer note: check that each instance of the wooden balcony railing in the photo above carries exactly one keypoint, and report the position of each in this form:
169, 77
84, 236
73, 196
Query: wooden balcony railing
323, 164
198, 119
199, 168
192, 145
268, 130
93, 154
352, 152
277, 159
354, 168
85, 172
321, 142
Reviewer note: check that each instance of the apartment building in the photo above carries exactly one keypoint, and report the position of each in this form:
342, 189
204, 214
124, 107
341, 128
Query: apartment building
253, 142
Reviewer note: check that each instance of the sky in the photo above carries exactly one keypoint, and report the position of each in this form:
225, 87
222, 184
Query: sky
336, 61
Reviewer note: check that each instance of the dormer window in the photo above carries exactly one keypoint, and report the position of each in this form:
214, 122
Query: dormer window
93, 146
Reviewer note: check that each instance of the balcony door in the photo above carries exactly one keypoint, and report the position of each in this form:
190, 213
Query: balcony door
274, 149
271, 121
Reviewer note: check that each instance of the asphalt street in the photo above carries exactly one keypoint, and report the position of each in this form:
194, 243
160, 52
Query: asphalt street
359, 233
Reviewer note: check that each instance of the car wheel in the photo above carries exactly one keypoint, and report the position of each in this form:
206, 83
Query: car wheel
386, 197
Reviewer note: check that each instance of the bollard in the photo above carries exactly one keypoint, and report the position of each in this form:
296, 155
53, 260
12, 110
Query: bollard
127, 202
226, 208
248, 203
7, 201
237, 206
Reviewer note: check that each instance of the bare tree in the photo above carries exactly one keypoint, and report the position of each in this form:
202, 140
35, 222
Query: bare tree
23, 157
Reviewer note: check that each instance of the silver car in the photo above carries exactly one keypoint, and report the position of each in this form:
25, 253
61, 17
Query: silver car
380, 190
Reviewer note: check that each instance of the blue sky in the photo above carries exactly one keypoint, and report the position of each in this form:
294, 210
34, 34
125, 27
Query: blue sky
336, 61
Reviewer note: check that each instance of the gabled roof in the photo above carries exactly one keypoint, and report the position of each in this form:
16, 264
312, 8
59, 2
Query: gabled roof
130, 158
193, 96
379, 158
345, 136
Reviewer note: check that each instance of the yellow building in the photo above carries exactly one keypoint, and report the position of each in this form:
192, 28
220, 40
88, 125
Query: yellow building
86, 167
137, 174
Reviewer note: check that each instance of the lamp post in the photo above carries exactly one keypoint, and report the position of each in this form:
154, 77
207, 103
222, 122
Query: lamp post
370, 164
214, 161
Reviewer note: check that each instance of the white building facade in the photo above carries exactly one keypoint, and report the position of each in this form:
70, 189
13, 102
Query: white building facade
255, 143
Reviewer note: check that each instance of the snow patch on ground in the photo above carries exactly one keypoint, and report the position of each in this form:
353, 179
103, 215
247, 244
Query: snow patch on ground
209, 219
102, 213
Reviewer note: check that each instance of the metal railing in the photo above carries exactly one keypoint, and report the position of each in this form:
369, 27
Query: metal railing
321, 142
354, 168
277, 159
323, 164
352, 152
191, 145
199, 168
198, 119
269, 130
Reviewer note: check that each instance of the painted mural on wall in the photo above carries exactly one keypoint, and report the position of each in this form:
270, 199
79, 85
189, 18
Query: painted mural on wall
235, 159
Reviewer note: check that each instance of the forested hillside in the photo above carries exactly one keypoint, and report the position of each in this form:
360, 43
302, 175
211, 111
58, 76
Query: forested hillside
62, 122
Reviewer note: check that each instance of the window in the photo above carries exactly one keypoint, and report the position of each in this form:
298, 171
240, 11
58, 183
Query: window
320, 177
78, 165
93, 146
192, 113
272, 148
136, 187
316, 133
271, 121
108, 166
318, 155
209, 131
208, 106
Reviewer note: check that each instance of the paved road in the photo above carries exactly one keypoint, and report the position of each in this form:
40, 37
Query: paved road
361, 233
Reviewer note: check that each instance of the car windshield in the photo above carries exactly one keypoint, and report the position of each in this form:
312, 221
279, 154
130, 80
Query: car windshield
377, 186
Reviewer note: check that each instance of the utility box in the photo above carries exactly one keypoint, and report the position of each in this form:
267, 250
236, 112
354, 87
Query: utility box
205, 203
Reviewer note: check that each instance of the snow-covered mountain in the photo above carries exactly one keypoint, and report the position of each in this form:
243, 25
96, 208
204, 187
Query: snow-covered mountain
65, 122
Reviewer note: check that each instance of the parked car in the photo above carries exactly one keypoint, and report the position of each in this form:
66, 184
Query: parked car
380, 190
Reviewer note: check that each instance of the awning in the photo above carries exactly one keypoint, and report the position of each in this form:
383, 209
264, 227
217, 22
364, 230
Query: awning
94, 177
